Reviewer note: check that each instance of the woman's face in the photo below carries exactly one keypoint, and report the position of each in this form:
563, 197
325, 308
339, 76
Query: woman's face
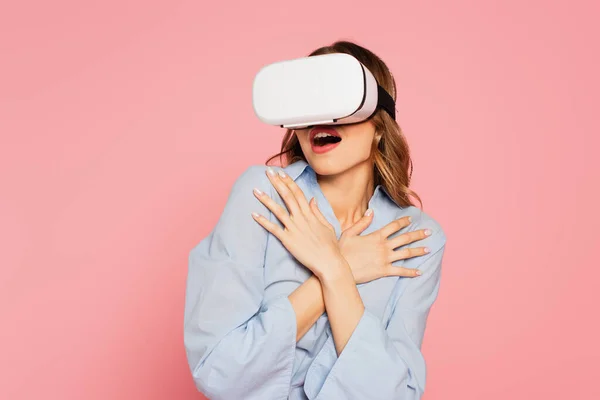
337, 155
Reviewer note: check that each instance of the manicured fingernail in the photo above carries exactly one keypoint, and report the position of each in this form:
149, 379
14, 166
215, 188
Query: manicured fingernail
409, 219
270, 171
428, 232
426, 250
258, 191
281, 173
255, 215
419, 272
368, 212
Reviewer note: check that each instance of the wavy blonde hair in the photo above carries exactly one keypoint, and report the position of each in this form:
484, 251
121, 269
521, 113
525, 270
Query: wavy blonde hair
390, 152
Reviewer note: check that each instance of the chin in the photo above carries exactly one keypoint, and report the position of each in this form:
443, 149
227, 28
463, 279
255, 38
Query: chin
328, 166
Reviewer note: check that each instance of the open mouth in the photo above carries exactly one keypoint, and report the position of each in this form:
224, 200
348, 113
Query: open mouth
322, 136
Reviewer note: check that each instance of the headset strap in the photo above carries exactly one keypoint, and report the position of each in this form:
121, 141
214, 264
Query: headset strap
385, 101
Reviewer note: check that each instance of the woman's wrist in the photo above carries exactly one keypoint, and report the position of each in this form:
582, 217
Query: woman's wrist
333, 271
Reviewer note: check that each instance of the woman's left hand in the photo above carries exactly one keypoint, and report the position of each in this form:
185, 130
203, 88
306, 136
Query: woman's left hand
307, 234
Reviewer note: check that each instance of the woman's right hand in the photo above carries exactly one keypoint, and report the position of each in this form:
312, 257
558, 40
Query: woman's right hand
371, 256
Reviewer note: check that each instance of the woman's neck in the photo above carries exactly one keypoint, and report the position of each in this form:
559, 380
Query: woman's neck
349, 192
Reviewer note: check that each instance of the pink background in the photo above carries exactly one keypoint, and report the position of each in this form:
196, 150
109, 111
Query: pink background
124, 124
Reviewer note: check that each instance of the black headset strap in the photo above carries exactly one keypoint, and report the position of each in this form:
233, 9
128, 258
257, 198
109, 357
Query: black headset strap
385, 101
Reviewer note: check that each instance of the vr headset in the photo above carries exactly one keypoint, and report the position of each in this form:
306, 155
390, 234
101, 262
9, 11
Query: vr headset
327, 89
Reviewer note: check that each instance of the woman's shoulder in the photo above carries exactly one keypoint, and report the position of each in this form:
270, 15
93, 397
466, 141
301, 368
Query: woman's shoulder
257, 172
253, 172
422, 220
254, 175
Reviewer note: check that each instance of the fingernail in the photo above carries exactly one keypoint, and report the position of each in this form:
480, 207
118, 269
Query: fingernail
270, 171
255, 215
368, 212
419, 272
281, 173
428, 232
258, 191
409, 219
426, 250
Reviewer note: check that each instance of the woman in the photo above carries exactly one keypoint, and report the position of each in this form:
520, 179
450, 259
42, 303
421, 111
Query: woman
319, 299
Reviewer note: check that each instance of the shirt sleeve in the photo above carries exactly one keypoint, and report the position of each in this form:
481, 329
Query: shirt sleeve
236, 345
382, 362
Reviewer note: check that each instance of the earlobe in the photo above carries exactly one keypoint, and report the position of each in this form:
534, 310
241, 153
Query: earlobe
377, 137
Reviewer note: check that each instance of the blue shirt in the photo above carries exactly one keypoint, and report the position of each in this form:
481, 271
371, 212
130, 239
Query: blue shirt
240, 327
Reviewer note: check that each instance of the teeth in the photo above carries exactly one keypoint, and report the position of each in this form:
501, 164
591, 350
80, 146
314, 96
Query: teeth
322, 134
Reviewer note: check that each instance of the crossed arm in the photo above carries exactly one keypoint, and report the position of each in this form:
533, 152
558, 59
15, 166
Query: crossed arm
239, 347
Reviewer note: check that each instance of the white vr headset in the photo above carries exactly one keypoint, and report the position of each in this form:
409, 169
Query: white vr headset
327, 89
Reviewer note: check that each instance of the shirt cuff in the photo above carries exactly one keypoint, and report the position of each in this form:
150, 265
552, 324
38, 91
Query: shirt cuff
363, 367
267, 346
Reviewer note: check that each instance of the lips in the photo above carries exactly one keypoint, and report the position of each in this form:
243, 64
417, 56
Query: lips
325, 147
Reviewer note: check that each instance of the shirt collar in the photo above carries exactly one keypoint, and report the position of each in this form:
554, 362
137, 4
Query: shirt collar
295, 170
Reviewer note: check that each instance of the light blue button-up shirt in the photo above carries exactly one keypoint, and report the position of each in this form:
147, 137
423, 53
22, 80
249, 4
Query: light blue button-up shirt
240, 327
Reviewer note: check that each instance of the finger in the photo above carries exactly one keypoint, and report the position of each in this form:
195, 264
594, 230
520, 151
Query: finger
395, 226
269, 226
407, 253
280, 212
402, 271
283, 190
315, 209
360, 225
295, 189
408, 237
